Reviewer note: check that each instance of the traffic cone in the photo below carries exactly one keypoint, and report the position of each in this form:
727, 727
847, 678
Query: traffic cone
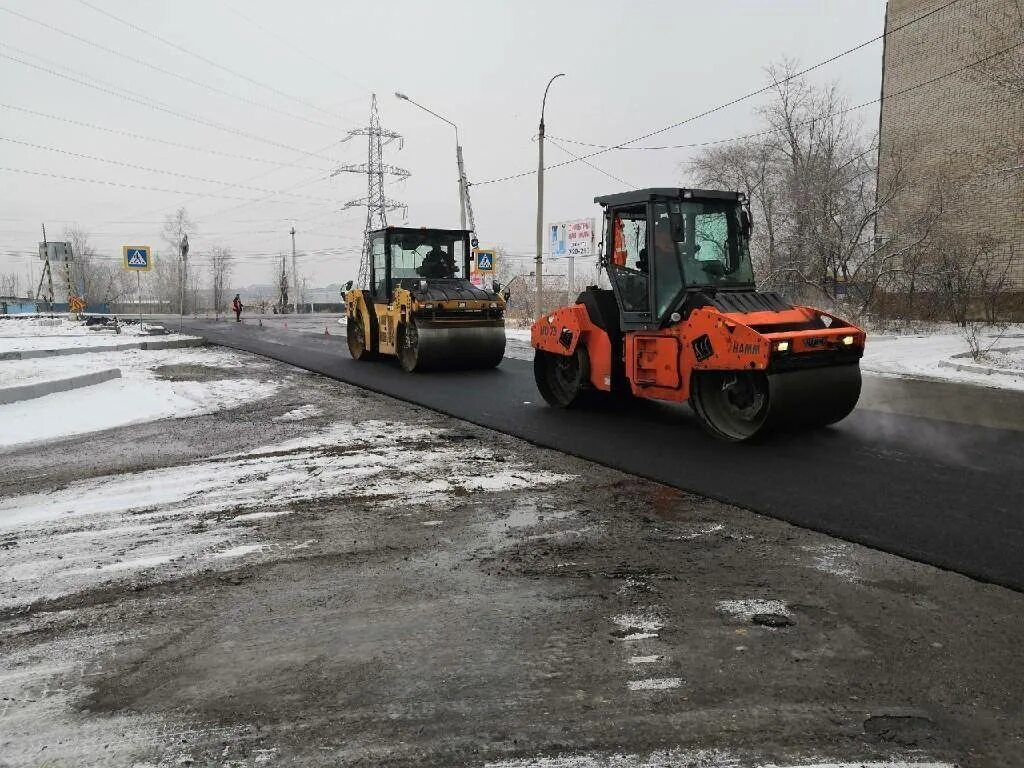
261, 322
326, 332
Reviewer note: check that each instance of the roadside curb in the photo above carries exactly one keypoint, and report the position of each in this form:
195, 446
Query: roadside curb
972, 368
986, 369
42, 388
30, 354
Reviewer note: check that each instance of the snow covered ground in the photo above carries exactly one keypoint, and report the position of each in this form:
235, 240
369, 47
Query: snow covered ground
182, 519
21, 333
145, 391
921, 355
517, 344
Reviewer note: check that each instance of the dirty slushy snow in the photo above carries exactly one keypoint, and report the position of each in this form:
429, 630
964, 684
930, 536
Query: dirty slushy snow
65, 540
746, 609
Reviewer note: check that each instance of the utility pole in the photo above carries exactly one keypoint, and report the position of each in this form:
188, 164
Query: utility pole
540, 199
295, 279
183, 250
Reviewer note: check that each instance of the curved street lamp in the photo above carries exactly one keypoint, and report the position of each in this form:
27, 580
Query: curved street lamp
540, 197
458, 154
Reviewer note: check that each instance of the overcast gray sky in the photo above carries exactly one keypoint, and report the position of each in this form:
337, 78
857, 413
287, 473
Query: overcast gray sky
267, 89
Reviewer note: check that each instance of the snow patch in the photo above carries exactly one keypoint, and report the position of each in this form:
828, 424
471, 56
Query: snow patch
640, 636
645, 659
655, 684
239, 551
138, 396
835, 560
138, 564
746, 609
41, 687
432, 523
920, 355
643, 622
300, 414
705, 531
105, 528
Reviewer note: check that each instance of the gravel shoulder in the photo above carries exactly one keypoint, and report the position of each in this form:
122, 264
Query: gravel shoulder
352, 580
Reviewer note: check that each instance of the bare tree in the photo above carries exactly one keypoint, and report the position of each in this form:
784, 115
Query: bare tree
10, 284
170, 280
221, 263
811, 181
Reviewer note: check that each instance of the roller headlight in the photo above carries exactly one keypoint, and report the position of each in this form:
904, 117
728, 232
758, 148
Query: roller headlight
782, 346
848, 340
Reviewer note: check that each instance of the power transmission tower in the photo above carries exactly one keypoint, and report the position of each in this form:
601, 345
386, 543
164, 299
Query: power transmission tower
376, 202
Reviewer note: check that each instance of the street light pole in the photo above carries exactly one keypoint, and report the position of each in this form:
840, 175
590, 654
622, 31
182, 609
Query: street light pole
295, 279
458, 155
183, 250
540, 198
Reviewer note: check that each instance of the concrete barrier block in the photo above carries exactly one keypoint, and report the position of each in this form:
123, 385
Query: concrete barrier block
21, 392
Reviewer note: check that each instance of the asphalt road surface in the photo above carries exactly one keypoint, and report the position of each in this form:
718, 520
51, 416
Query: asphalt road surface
932, 472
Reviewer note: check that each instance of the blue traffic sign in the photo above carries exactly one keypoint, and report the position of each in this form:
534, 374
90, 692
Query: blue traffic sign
137, 258
485, 261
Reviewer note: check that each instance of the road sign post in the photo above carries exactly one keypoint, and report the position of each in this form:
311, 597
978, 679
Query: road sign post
567, 240
137, 259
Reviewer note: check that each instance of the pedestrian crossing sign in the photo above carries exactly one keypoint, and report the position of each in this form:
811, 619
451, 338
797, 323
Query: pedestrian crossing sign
485, 261
137, 258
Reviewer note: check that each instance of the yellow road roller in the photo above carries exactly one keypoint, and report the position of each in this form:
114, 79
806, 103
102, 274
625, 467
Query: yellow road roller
420, 305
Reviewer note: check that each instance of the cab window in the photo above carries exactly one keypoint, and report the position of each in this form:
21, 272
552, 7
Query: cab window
629, 264
379, 270
667, 269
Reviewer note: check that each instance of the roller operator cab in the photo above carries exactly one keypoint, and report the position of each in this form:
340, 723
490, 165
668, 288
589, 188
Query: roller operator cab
421, 306
684, 321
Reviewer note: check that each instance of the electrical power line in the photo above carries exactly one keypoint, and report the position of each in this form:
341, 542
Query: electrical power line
211, 62
843, 111
186, 176
109, 183
144, 101
142, 137
227, 186
726, 105
149, 65
590, 164
272, 194
300, 50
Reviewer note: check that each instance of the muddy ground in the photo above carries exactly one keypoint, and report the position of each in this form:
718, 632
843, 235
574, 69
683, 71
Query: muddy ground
568, 611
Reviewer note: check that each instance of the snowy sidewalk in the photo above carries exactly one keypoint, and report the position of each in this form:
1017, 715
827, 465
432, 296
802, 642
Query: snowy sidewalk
936, 356
154, 384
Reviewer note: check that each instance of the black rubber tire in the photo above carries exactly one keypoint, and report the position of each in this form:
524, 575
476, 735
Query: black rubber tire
563, 380
731, 405
356, 337
747, 405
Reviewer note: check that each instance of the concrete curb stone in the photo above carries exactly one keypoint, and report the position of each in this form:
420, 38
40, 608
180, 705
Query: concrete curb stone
30, 354
42, 388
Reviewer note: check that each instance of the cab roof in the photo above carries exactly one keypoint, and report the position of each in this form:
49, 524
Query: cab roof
638, 196
391, 228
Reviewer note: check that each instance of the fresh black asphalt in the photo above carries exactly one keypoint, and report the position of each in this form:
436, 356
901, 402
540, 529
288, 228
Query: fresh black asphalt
947, 494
